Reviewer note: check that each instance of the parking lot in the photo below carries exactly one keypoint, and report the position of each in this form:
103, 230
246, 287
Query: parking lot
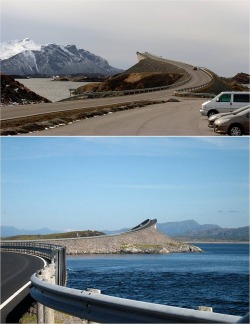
181, 118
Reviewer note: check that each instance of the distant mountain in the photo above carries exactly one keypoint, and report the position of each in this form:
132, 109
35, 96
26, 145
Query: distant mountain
188, 230
7, 231
193, 231
179, 228
24, 57
122, 230
240, 234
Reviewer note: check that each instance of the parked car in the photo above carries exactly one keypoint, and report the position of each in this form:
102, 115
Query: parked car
234, 125
213, 118
225, 102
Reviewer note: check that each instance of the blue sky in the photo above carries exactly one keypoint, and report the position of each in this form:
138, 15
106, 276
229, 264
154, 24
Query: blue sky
209, 33
106, 183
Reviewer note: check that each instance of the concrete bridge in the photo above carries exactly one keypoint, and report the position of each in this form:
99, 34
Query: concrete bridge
144, 238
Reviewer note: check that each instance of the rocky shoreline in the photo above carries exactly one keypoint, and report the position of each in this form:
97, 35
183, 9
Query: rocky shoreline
15, 93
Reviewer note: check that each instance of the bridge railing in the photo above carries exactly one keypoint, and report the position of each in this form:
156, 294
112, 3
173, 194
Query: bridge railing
101, 94
203, 86
101, 308
182, 91
50, 252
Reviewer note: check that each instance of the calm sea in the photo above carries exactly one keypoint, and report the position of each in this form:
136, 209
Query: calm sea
217, 278
52, 90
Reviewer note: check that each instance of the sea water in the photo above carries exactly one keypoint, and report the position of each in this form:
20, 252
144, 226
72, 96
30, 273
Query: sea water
52, 90
218, 278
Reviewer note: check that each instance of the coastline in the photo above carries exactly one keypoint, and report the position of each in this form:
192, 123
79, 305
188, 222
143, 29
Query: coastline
215, 242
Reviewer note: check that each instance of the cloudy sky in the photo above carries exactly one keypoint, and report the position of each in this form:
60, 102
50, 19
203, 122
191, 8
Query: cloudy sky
210, 33
80, 183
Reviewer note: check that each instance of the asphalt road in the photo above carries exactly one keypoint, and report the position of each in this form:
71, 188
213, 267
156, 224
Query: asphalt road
167, 119
16, 270
197, 78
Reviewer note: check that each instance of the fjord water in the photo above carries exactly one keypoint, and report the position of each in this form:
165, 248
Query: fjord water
52, 90
217, 278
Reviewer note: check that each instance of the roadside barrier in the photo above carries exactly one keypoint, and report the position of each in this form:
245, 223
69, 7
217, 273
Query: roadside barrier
103, 94
97, 307
47, 289
52, 253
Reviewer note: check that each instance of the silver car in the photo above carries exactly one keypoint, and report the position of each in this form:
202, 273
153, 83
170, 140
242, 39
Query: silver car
213, 118
234, 125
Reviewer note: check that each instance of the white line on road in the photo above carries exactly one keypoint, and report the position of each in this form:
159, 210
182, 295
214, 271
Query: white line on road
14, 295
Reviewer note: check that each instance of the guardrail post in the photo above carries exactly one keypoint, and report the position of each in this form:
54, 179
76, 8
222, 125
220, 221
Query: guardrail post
96, 291
46, 314
40, 313
49, 312
40, 307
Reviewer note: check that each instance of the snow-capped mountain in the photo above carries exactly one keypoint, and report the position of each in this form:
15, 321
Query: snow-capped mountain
24, 57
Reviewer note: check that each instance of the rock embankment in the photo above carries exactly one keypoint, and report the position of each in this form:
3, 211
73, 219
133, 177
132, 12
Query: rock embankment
145, 240
15, 93
147, 73
220, 84
242, 78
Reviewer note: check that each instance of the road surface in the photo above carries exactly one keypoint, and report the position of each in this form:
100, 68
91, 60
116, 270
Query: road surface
8, 112
16, 270
167, 119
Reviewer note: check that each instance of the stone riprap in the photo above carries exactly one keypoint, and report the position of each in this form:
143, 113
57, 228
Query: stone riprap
144, 239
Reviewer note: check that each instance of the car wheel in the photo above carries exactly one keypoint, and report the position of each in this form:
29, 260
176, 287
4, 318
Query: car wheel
235, 130
211, 113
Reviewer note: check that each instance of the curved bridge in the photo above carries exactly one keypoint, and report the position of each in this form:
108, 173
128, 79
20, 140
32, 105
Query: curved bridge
196, 79
143, 238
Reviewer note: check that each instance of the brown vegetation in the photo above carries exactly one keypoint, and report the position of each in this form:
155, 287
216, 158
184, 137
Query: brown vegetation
15, 93
131, 81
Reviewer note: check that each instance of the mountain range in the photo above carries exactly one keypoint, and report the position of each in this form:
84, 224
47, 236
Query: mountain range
25, 57
188, 230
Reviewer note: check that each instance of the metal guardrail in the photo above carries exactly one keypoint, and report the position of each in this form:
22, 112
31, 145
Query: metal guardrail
50, 252
128, 92
190, 89
98, 307
107, 309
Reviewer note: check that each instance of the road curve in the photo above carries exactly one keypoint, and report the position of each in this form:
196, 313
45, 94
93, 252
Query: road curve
181, 118
16, 270
197, 78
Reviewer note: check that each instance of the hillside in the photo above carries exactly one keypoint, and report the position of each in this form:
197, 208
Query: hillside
15, 93
74, 234
147, 73
240, 234
188, 226
223, 84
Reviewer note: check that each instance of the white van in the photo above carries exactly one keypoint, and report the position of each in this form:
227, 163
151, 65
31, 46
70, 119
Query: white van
225, 102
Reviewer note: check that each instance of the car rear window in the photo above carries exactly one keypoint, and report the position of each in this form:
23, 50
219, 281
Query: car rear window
241, 98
